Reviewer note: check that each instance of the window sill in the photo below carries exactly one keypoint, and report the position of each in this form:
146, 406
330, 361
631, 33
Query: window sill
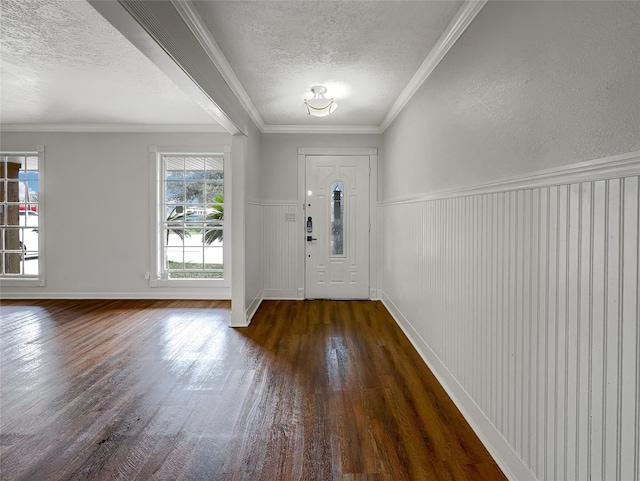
21, 282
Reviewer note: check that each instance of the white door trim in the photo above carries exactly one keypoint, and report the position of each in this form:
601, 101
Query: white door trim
303, 152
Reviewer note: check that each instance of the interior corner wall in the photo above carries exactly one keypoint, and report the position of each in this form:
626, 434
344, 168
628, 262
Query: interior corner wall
98, 212
524, 299
279, 184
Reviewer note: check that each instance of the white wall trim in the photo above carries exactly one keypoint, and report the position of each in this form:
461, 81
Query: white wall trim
498, 447
591, 170
336, 151
300, 213
194, 22
373, 223
135, 128
459, 23
176, 149
272, 202
205, 295
235, 178
454, 30
281, 294
321, 129
253, 307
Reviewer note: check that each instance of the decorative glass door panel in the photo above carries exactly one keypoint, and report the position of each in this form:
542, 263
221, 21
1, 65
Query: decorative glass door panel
337, 219
337, 231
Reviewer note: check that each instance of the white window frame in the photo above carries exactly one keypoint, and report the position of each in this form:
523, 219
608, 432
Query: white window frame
157, 217
21, 280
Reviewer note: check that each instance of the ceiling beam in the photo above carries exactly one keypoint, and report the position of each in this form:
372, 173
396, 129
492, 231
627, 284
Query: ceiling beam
198, 28
187, 52
159, 32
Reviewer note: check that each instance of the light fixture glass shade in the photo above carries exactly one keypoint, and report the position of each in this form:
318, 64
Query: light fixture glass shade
319, 105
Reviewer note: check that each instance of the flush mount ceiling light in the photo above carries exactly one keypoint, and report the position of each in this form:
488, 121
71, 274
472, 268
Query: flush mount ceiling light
319, 106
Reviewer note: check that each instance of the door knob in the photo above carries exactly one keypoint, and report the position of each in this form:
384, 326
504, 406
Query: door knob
309, 238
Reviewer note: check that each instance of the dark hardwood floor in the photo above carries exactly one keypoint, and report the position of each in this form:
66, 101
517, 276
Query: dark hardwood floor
312, 390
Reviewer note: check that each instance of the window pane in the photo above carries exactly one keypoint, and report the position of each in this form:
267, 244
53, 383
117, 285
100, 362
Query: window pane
31, 163
173, 163
213, 236
174, 258
15, 191
175, 175
31, 190
173, 213
193, 209
213, 188
213, 256
337, 219
19, 197
215, 164
194, 189
174, 192
194, 164
175, 235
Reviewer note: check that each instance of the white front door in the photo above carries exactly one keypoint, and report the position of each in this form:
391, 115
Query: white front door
337, 209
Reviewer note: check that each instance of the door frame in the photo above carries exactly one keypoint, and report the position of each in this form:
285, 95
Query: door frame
303, 152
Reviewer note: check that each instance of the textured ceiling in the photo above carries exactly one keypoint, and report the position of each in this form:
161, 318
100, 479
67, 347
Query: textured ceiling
364, 52
63, 63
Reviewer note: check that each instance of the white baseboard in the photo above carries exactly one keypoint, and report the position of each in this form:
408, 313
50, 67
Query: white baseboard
242, 322
253, 307
174, 295
498, 447
280, 294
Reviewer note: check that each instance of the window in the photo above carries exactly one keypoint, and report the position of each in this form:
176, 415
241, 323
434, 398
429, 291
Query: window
21, 217
190, 223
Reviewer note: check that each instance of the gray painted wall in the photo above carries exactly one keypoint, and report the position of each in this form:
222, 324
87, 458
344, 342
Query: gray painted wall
280, 159
529, 85
98, 209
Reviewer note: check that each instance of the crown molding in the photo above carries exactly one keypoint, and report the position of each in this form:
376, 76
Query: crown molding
198, 28
194, 22
111, 128
321, 129
467, 13
455, 29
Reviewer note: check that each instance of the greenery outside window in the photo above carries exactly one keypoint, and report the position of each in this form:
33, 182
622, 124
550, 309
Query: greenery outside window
191, 216
190, 236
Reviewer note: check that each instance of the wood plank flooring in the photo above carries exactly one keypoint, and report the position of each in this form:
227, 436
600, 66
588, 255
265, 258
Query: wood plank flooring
165, 390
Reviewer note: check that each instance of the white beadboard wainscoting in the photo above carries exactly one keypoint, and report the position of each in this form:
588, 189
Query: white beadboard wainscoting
280, 256
523, 297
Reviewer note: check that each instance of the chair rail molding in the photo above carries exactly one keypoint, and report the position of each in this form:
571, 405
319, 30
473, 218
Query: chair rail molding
523, 297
